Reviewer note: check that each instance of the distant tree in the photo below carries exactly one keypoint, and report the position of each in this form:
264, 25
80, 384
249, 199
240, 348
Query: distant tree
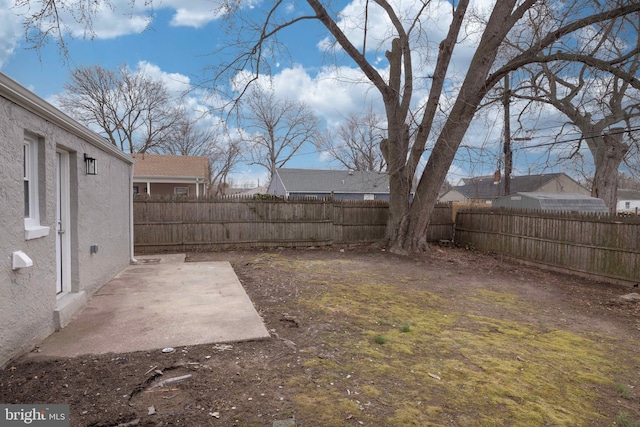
275, 129
135, 112
223, 158
628, 182
355, 144
186, 138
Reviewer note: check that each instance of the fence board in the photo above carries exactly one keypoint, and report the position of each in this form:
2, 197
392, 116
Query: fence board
598, 246
182, 225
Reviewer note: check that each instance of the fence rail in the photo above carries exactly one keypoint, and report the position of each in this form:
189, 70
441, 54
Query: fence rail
186, 225
601, 247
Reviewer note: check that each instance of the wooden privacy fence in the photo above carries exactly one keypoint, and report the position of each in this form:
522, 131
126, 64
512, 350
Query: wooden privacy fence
191, 225
601, 247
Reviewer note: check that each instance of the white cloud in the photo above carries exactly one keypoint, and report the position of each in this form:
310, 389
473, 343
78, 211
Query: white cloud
10, 30
176, 83
197, 13
332, 93
193, 18
120, 18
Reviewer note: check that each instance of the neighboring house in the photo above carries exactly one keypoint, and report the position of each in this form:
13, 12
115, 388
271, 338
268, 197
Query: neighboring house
486, 189
628, 201
65, 217
338, 184
168, 175
565, 202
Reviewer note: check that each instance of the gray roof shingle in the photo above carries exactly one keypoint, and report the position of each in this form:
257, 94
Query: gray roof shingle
624, 194
483, 187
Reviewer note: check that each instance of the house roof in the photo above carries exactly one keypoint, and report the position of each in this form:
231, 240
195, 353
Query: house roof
483, 187
160, 165
628, 194
336, 181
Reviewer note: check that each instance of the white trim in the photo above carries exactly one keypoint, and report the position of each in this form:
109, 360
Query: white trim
63, 223
132, 258
32, 227
30, 167
180, 193
35, 232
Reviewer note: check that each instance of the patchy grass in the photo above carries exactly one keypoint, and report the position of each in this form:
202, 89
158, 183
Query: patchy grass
624, 391
453, 368
623, 419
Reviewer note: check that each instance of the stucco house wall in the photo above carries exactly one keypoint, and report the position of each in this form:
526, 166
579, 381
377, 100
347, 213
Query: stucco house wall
98, 211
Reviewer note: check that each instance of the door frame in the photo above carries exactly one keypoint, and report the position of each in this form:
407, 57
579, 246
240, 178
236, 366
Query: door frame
63, 224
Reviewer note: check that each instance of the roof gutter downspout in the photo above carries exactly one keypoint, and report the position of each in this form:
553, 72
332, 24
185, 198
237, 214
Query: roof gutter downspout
131, 249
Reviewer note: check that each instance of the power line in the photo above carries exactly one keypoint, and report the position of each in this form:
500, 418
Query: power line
577, 139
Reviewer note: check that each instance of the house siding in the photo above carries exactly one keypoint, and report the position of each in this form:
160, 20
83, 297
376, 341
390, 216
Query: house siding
99, 215
563, 184
633, 205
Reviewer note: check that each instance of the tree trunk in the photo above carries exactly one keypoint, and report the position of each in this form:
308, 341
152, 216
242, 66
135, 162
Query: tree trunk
412, 235
607, 158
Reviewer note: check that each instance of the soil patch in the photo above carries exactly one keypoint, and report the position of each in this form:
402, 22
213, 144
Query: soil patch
363, 337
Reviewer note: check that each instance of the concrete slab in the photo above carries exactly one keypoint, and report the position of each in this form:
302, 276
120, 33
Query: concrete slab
160, 302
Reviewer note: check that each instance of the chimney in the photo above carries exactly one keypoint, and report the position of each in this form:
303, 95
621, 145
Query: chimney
496, 177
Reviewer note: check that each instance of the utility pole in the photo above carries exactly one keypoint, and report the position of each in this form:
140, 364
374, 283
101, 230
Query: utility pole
508, 155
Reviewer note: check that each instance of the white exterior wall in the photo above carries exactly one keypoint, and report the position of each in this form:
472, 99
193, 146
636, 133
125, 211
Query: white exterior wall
633, 205
100, 209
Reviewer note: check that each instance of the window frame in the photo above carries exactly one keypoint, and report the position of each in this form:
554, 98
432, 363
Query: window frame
178, 191
31, 175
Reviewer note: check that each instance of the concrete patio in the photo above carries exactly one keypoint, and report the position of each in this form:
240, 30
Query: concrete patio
160, 302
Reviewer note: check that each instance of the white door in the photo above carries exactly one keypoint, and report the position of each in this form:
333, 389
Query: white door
63, 242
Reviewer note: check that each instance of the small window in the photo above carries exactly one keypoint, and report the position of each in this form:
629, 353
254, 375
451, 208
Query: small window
369, 197
136, 190
181, 191
627, 205
26, 176
30, 177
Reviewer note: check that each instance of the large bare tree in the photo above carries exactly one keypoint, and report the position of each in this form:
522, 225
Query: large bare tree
355, 144
404, 146
603, 106
275, 129
135, 112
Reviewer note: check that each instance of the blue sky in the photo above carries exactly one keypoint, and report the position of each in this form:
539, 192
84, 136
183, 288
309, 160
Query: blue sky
177, 45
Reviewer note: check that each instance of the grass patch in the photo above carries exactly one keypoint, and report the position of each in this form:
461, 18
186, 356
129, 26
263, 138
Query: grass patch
624, 391
623, 419
379, 339
453, 368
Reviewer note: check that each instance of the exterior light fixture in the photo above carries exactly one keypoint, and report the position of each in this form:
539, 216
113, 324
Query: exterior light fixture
91, 165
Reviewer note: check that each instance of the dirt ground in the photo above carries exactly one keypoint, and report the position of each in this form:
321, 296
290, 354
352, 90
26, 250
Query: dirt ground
363, 337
